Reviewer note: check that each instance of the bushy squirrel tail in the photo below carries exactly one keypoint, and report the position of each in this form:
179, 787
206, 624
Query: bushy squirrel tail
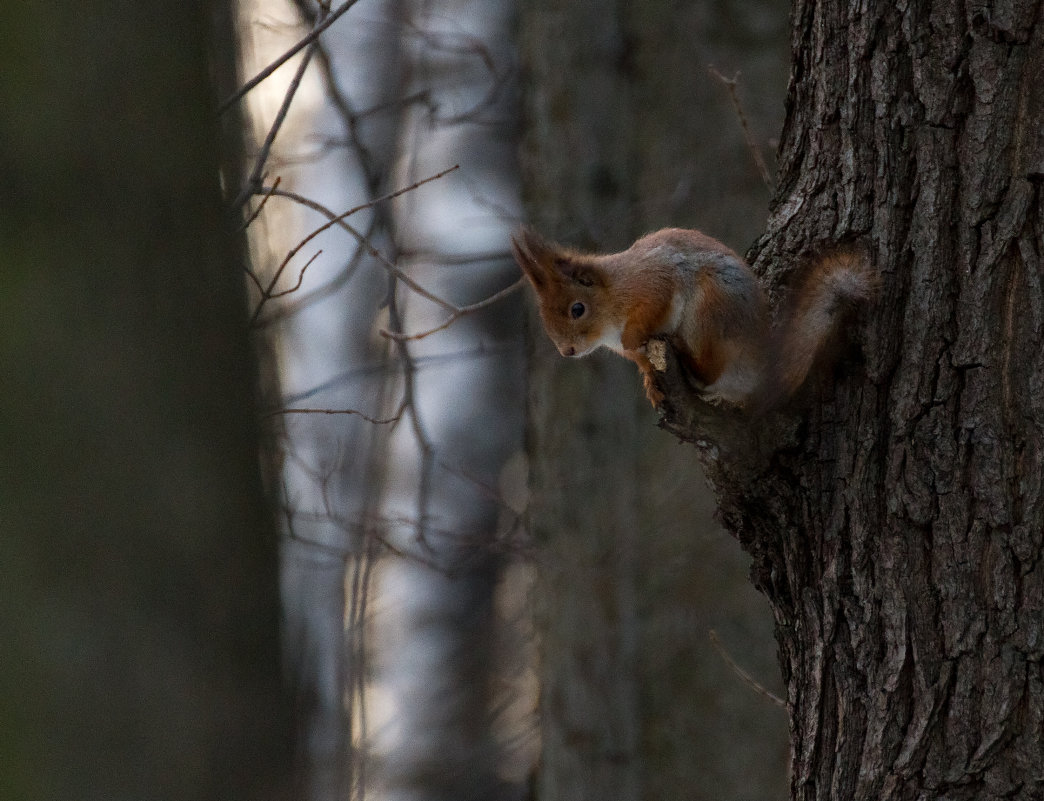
840, 282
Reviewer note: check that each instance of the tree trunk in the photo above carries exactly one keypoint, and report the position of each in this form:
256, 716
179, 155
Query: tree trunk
139, 611
586, 612
625, 134
437, 653
896, 520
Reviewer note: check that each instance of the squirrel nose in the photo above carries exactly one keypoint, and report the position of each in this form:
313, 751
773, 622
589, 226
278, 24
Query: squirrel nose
569, 350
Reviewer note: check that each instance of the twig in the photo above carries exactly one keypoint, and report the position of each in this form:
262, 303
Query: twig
749, 680
371, 203
253, 277
339, 220
344, 107
266, 148
461, 44
366, 417
301, 298
755, 151
359, 675
423, 441
289, 54
455, 314
254, 214
300, 278
267, 293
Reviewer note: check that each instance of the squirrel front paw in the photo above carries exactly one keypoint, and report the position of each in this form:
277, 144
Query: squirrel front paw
652, 392
653, 357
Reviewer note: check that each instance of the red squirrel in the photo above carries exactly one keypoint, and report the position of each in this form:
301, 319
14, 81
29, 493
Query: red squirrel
694, 290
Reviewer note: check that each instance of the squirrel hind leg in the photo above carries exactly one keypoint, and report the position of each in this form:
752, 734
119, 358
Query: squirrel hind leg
731, 372
735, 387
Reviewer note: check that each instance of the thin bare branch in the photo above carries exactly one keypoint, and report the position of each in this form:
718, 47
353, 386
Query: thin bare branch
336, 218
456, 314
356, 412
289, 54
254, 180
340, 221
749, 680
253, 277
268, 293
256, 212
461, 44
302, 298
300, 279
755, 151
425, 447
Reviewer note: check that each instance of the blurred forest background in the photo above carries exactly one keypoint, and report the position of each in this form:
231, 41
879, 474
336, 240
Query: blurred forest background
424, 627
468, 529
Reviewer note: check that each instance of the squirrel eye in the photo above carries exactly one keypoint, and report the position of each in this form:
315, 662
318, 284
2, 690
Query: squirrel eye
577, 310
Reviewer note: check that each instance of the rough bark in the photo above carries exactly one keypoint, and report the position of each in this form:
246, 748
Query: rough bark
895, 512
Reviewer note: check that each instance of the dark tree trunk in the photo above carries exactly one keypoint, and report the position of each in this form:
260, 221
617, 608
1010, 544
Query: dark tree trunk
896, 520
579, 176
139, 609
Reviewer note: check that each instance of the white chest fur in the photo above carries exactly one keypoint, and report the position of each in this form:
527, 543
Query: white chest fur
610, 338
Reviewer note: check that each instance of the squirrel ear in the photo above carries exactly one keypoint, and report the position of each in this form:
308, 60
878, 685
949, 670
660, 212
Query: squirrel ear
544, 262
580, 271
535, 255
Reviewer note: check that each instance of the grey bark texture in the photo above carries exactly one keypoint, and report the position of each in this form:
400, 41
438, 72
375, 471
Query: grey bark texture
895, 512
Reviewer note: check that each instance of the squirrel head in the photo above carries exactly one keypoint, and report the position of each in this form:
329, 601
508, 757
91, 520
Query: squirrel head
572, 292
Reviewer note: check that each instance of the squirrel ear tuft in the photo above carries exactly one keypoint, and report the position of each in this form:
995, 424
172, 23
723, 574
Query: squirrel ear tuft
545, 262
535, 255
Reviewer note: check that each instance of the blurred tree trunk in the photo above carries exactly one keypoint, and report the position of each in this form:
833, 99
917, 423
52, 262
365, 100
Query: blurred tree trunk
439, 655
318, 350
897, 527
627, 131
583, 428
140, 609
